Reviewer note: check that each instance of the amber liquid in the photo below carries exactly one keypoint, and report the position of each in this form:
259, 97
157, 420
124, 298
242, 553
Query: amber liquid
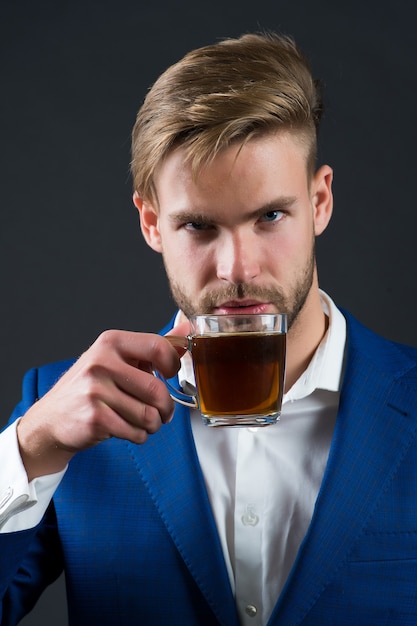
239, 374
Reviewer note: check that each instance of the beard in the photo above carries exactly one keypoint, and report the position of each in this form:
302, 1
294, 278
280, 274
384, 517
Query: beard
290, 303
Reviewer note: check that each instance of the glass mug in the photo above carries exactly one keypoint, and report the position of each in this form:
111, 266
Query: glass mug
239, 368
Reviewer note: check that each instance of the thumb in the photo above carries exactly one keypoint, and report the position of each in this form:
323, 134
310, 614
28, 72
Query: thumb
177, 337
183, 328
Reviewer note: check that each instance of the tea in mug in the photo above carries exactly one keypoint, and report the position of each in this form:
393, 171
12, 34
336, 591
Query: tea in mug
239, 374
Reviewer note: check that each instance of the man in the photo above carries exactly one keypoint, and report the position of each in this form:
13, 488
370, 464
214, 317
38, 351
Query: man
157, 519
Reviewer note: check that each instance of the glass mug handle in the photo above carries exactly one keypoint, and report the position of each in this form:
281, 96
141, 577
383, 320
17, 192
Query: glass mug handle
189, 400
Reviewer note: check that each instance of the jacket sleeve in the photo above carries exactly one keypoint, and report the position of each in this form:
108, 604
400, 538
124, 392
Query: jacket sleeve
31, 559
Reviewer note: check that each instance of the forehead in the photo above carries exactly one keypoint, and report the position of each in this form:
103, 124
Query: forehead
276, 163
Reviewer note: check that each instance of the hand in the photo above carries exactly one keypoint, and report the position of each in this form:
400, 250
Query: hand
110, 391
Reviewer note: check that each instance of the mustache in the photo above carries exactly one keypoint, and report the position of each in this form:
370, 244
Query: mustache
213, 299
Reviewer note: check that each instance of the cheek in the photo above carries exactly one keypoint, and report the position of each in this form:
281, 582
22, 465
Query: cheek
186, 266
290, 252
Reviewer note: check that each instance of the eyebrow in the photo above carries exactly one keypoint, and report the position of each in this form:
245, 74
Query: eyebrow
185, 216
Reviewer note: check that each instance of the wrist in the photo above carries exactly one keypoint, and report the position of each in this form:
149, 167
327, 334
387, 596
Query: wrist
40, 455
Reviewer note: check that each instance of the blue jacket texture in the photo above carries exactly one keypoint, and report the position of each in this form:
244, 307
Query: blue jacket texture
132, 526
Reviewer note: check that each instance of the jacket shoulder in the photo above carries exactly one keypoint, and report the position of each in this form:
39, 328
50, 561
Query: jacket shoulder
36, 382
48, 375
387, 355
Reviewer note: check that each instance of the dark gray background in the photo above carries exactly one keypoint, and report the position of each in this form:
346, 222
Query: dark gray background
73, 74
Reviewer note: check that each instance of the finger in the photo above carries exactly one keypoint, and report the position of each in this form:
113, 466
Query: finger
144, 350
181, 329
144, 389
178, 337
139, 420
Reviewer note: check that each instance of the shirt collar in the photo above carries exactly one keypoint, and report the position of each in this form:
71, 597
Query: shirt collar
325, 368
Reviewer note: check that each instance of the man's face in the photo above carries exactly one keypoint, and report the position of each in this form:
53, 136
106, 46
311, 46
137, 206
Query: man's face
239, 237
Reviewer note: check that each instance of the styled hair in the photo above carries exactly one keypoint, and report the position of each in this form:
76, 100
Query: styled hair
221, 94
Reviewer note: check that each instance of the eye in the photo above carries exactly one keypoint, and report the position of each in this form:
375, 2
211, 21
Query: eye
197, 226
272, 216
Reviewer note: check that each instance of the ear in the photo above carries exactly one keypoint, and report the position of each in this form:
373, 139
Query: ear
149, 222
322, 198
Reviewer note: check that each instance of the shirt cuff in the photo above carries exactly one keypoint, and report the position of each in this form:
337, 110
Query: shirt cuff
22, 504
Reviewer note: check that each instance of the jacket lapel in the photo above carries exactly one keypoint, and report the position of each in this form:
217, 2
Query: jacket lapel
169, 467
373, 430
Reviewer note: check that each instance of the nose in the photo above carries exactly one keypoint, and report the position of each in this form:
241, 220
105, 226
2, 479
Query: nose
238, 259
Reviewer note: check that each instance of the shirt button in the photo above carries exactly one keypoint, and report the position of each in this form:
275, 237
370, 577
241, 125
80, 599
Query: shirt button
251, 610
249, 518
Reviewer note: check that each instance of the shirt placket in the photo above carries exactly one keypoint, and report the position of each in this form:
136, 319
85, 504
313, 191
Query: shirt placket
248, 527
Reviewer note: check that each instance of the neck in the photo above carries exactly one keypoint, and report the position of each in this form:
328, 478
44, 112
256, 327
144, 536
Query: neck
304, 337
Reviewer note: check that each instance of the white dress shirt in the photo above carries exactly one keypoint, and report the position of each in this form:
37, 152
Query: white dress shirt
262, 482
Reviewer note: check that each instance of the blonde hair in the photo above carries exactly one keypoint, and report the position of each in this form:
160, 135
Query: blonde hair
221, 94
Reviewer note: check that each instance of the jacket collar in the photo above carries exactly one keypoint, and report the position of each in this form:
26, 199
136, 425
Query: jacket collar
176, 484
375, 425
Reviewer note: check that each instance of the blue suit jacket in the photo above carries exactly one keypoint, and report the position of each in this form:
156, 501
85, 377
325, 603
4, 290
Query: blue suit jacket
133, 528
